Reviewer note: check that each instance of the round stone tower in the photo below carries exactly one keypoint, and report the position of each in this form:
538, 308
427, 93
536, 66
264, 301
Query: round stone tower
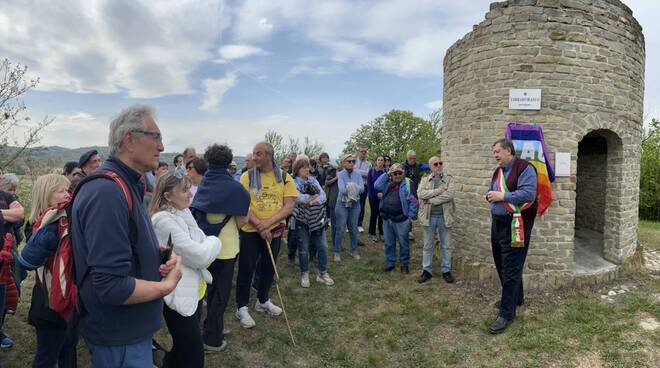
587, 58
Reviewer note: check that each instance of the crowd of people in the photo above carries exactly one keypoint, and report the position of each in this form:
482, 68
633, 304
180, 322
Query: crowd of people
148, 241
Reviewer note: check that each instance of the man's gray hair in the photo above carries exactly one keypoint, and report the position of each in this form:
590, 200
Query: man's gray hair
9, 181
129, 120
411, 153
268, 148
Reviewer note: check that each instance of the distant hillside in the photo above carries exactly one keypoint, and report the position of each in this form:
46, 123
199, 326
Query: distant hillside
54, 157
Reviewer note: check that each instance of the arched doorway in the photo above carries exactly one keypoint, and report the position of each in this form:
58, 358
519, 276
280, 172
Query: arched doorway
599, 174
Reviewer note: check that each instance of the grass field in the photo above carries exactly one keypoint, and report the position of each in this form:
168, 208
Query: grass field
371, 319
648, 234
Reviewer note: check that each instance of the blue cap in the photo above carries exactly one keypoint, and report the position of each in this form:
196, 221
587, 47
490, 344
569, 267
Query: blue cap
86, 156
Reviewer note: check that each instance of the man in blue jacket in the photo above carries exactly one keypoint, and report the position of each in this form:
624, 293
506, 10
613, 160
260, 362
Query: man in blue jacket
398, 208
117, 257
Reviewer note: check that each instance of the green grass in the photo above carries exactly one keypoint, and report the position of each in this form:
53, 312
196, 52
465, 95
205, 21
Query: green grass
371, 319
648, 234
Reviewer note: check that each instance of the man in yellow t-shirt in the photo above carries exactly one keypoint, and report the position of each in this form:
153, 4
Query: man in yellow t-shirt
272, 198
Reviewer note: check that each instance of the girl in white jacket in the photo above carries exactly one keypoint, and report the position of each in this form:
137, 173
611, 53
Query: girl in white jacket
171, 217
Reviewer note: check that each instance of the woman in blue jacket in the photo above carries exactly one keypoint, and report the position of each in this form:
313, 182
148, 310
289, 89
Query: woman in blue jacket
347, 209
56, 342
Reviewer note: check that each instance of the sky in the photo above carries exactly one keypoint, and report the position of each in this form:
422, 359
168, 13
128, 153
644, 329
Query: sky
228, 71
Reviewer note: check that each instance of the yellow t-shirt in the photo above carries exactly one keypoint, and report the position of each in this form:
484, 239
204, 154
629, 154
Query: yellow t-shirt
202, 289
271, 198
228, 236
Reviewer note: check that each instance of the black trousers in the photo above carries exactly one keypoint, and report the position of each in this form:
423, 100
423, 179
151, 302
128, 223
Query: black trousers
363, 201
509, 262
187, 346
217, 298
291, 243
253, 247
374, 216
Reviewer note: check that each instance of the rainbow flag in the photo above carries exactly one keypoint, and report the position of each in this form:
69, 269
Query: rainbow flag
530, 145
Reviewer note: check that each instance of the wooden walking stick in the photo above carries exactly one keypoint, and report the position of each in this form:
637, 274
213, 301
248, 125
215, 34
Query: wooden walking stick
277, 287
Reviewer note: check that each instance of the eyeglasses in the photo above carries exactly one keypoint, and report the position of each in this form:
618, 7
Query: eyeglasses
397, 173
156, 135
350, 161
439, 163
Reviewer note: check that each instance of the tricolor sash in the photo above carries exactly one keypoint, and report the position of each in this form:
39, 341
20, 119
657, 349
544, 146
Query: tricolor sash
517, 226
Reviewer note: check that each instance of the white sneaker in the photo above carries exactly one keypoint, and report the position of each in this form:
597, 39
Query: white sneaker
325, 279
360, 229
337, 257
215, 349
268, 307
355, 255
304, 282
244, 318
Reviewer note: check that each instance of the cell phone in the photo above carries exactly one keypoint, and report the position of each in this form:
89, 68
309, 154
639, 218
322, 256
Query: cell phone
165, 256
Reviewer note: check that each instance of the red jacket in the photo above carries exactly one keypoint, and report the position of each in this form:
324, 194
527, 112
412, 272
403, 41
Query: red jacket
6, 277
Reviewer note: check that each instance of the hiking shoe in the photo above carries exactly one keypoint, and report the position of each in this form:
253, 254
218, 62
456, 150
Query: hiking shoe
424, 277
360, 229
448, 277
387, 268
337, 257
268, 307
243, 316
304, 280
216, 349
404, 268
325, 279
410, 236
355, 255
226, 332
374, 238
6, 343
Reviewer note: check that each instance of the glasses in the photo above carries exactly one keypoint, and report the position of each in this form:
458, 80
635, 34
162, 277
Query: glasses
156, 135
350, 161
397, 173
439, 163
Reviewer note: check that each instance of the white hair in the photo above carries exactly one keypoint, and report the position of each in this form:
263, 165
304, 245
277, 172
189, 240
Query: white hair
129, 120
9, 181
411, 153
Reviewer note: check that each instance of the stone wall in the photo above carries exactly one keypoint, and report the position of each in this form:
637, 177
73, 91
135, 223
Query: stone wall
587, 56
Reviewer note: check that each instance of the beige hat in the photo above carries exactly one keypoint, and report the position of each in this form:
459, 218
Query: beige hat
395, 167
343, 157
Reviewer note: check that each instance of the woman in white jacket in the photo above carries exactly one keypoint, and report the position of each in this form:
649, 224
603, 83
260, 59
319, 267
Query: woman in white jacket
171, 217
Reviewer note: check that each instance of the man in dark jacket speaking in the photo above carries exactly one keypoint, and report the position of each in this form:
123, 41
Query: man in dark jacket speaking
118, 262
513, 209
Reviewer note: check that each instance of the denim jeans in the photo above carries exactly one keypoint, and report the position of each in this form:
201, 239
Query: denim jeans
333, 222
396, 231
437, 226
363, 205
346, 216
305, 238
136, 355
56, 345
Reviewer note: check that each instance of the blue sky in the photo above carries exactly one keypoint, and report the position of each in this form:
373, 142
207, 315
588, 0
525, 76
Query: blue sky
228, 71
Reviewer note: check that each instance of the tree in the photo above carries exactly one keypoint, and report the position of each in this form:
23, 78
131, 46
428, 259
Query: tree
397, 132
14, 84
309, 148
649, 183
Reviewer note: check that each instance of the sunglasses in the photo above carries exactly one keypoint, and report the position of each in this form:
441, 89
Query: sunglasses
350, 161
397, 173
439, 163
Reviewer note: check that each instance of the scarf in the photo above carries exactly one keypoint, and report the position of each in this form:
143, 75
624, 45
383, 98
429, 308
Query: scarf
517, 226
255, 178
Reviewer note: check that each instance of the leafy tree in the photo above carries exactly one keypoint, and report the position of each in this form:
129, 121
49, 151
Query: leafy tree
397, 132
649, 184
14, 84
308, 147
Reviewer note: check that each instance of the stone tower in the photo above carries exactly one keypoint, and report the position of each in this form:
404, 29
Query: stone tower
587, 57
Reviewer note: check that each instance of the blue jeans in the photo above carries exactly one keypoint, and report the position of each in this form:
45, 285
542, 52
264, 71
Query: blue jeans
437, 226
136, 355
333, 222
56, 345
344, 216
305, 238
394, 231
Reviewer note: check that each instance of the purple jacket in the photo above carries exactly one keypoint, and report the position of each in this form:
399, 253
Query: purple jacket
371, 180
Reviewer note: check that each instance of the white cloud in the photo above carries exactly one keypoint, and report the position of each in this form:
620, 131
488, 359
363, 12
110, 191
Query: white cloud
434, 105
235, 52
215, 89
77, 129
145, 49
